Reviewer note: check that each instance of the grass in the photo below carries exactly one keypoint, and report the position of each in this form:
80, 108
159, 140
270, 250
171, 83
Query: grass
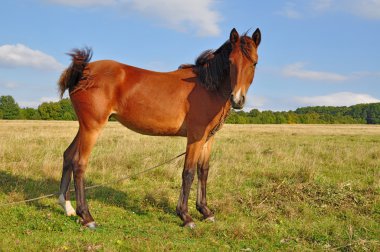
272, 187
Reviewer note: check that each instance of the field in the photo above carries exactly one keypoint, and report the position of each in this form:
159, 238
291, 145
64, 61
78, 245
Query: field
272, 187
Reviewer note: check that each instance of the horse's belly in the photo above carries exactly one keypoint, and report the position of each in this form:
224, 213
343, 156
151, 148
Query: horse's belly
154, 125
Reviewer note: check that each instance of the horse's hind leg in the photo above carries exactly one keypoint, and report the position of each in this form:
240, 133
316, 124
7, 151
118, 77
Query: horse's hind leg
87, 137
64, 196
203, 167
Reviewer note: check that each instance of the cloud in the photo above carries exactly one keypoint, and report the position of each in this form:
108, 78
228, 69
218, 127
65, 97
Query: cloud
36, 103
297, 70
289, 11
28, 104
321, 5
49, 99
9, 85
195, 15
336, 99
368, 9
84, 3
20, 55
255, 102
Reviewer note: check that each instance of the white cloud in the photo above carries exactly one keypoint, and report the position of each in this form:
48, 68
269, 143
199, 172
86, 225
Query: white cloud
28, 104
289, 11
297, 70
321, 5
195, 15
20, 55
9, 85
336, 99
84, 3
36, 103
49, 99
255, 102
368, 9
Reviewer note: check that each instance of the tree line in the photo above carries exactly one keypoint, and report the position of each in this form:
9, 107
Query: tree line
61, 110
356, 114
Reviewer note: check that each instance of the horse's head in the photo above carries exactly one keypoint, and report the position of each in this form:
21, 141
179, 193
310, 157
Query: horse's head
243, 60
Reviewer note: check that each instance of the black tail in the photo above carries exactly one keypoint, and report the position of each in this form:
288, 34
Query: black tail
71, 76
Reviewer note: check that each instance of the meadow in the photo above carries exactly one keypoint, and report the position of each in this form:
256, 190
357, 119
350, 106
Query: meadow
271, 187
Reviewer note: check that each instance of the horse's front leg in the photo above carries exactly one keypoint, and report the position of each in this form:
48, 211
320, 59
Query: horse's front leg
203, 167
192, 154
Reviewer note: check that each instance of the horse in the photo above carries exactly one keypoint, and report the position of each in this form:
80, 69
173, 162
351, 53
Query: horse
192, 101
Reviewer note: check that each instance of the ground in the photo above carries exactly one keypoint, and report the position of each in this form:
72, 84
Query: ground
272, 187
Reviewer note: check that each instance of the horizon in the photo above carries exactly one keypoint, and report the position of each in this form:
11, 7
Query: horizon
320, 53
236, 110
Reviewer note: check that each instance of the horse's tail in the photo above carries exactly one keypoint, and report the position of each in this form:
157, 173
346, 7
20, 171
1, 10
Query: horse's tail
71, 76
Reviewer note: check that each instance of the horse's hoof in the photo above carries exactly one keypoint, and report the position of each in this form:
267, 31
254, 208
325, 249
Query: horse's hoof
71, 213
210, 219
91, 225
190, 225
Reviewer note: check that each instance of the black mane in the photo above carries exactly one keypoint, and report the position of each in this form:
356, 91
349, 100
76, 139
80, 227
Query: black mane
212, 66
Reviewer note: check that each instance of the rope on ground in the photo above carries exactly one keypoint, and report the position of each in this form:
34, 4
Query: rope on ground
98, 185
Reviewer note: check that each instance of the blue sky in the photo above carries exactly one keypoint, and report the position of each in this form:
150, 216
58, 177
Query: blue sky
316, 52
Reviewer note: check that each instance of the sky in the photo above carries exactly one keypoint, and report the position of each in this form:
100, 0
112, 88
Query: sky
312, 53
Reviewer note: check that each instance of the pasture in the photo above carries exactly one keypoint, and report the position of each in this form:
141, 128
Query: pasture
272, 187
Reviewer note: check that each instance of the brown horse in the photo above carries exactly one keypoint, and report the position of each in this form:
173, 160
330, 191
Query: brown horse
192, 101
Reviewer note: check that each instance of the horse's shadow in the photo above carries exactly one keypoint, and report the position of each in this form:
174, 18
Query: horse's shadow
32, 188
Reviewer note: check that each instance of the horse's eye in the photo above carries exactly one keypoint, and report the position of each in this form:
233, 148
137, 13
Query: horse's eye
254, 64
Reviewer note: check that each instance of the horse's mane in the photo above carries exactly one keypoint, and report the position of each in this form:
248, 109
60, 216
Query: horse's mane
212, 66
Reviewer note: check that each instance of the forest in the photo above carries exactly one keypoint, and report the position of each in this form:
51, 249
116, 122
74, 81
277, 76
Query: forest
356, 114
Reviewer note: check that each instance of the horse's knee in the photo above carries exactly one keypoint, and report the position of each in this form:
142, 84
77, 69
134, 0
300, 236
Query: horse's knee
188, 176
67, 159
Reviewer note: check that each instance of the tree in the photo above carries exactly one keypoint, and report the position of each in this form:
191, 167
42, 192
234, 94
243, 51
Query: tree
373, 114
29, 114
268, 117
9, 108
62, 110
280, 117
67, 109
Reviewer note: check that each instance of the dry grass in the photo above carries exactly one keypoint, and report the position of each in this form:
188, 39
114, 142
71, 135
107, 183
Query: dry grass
272, 187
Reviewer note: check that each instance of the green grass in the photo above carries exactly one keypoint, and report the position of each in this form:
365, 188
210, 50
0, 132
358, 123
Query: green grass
272, 187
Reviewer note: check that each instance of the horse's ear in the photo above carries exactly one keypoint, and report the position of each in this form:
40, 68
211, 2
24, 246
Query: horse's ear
256, 37
234, 36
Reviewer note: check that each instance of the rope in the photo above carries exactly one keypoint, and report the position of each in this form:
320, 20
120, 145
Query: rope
98, 185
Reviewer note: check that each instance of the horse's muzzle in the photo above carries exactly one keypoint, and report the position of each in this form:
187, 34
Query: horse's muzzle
237, 103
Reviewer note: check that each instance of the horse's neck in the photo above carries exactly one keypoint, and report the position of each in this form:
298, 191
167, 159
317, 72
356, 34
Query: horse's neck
225, 89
